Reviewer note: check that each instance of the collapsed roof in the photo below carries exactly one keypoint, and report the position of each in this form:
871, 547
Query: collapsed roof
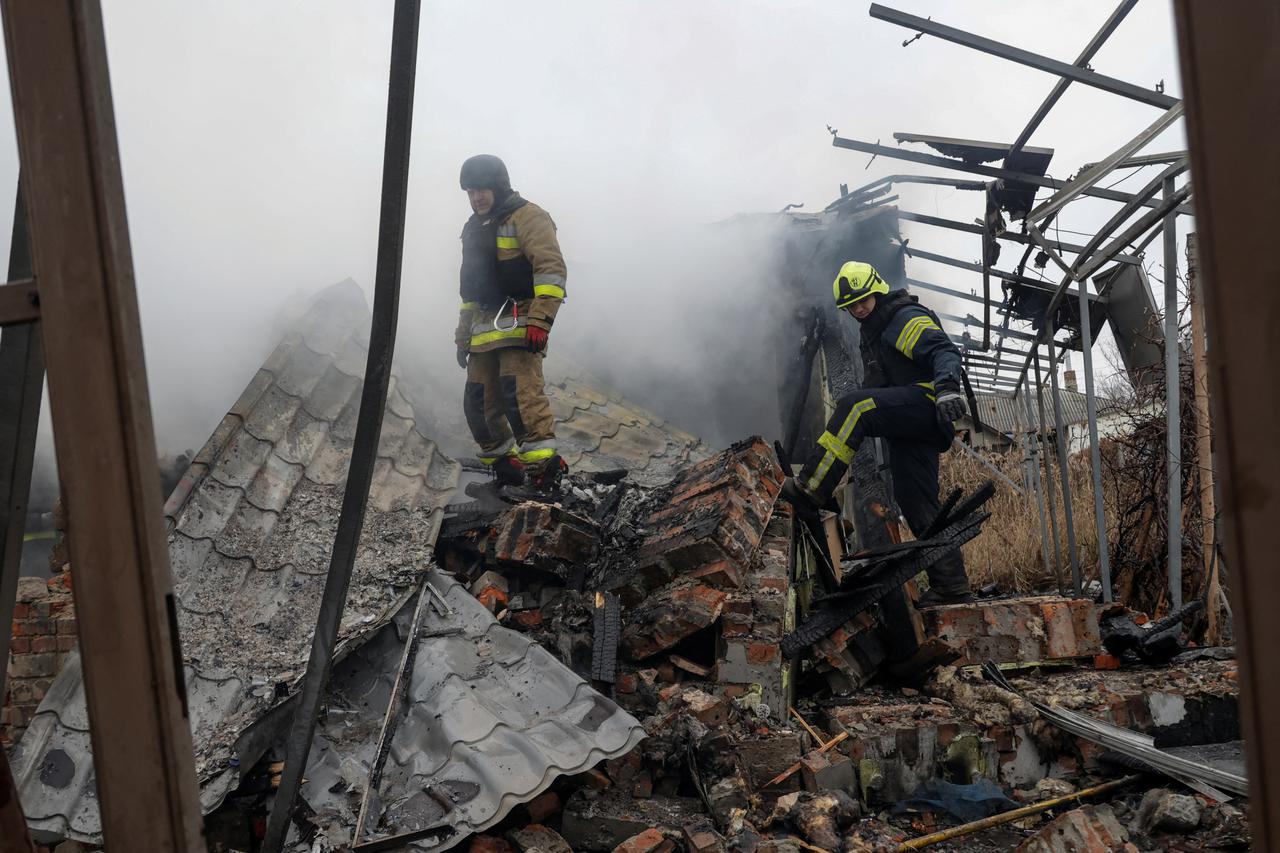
251, 525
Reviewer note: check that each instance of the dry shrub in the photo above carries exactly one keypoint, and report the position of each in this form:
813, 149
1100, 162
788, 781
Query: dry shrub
1009, 549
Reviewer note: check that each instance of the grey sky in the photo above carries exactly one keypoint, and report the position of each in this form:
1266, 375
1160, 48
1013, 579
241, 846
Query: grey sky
251, 139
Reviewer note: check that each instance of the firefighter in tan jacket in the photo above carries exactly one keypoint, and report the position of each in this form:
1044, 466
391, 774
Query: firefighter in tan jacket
513, 278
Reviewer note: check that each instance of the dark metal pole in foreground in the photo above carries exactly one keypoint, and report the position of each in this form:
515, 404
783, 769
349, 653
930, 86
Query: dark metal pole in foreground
21, 387
1095, 452
1064, 468
373, 402
1174, 402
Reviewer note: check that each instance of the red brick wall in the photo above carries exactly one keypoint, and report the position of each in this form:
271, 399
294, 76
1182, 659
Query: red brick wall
44, 632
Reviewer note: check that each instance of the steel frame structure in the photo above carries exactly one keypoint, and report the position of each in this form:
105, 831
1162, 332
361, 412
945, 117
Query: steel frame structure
1141, 218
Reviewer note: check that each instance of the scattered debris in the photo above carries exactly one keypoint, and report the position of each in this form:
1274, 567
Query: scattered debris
1080, 830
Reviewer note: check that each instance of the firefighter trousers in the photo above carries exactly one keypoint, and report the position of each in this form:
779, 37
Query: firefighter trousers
907, 419
506, 406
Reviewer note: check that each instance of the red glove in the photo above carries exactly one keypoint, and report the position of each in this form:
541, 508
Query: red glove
537, 338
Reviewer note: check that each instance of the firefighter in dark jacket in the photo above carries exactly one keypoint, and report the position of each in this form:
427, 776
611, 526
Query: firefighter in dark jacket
912, 393
513, 279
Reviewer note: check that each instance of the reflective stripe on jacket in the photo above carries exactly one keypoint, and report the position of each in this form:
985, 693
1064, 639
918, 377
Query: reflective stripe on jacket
903, 343
531, 267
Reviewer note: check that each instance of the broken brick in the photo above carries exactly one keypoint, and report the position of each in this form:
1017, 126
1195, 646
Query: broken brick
543, 806
625, 768
1018, 629
529, 619
594, 779
1083, 830
669, 616
717, 513
701, 837
541, 535
721, 573
691, 667
536, 838
708, 709
649, 841
489, 844
491, 590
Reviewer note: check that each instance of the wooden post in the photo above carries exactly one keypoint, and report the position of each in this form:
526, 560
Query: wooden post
1204, 451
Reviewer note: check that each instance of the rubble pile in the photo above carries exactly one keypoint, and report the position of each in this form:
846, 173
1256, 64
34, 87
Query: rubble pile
676, 601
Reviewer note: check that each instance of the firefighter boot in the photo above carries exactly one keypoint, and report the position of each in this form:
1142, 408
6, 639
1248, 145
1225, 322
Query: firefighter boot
509, 471
547, 478
948, 582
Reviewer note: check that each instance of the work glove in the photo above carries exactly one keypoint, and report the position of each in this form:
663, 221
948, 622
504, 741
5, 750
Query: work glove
462, 357
951, 403
536, 337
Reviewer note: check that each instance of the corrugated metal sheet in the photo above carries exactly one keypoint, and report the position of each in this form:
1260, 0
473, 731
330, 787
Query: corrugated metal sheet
251, 526
1006, 414
490, 720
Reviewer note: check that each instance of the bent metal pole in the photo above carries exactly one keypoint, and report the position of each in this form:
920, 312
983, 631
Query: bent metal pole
373, 402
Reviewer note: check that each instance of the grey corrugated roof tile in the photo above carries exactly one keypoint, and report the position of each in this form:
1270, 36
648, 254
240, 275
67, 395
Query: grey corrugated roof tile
211, 448
302, 438
240, 459
328, 465
415, 454
270, 417
187, 554
334, 392
640, 445
395, 430
391, 490
273, 484
262, 380
567, 435
207, 585
209, 509
302, 369
561, 409
250, 547
352, 358
397, 403
490, 717
624, 414
279, 356
593, 423
343, 427
245, 531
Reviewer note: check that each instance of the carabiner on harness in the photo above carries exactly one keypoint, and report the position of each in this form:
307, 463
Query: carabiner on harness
515, 316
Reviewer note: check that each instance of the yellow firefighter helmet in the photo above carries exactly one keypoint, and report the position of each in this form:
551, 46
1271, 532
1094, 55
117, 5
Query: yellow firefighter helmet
856, 282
